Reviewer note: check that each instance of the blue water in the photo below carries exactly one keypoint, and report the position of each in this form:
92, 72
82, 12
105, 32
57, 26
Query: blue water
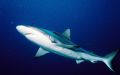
94, 24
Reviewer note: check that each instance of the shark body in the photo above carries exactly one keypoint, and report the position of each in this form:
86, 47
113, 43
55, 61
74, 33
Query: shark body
60, 44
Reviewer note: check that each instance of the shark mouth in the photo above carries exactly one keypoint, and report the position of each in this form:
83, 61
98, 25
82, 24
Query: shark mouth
28, 34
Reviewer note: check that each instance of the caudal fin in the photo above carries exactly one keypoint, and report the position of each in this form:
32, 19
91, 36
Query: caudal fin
108, 59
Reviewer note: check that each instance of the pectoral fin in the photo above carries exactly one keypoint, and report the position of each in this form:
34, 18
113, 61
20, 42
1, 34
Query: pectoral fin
41, 52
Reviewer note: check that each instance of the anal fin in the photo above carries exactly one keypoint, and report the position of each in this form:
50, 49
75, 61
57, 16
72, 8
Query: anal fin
79, 61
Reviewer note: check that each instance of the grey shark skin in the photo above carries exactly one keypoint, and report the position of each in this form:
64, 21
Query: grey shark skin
61, 44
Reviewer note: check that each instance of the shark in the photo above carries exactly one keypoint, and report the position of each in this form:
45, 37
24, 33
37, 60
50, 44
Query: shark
61, 44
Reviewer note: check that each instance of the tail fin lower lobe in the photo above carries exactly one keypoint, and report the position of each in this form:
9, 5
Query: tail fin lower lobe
108, 59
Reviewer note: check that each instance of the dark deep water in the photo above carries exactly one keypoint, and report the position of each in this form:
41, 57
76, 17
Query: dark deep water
94, 24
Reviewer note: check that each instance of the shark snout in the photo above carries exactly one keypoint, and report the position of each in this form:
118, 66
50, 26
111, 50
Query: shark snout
20, 27
23, 29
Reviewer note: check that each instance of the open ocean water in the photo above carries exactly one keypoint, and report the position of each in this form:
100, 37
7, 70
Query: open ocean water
94, 24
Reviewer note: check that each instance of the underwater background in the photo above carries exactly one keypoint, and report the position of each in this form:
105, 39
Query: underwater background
94, 24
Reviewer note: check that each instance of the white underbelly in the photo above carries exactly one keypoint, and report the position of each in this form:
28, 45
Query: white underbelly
63, 52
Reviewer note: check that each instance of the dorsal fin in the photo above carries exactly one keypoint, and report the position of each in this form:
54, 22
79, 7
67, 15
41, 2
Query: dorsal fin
66, 33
